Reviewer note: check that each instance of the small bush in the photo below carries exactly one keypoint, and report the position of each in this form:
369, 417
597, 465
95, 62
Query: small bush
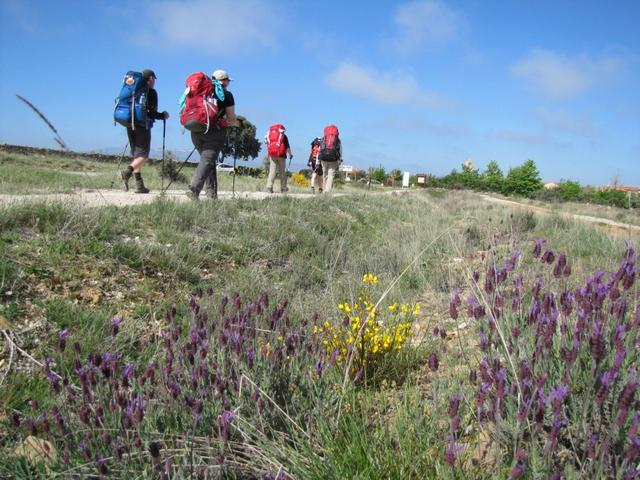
170, 169
367, 335
299, 179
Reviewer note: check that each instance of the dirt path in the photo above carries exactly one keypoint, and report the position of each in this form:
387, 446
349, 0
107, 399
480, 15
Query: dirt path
106, 197
610, 226
109, 197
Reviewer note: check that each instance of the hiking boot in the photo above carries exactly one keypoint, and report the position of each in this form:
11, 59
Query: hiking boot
211, 194
284, 190
126, 176
269, 190
191, 195
140, 188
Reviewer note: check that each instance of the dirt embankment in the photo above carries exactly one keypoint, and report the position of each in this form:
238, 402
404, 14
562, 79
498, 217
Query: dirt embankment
97, 157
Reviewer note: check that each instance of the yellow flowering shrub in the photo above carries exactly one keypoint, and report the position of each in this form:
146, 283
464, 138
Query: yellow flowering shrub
299, 179
367, 333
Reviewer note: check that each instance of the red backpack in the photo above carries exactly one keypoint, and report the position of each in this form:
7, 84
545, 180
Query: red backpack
329, 150
276, 146
200, 109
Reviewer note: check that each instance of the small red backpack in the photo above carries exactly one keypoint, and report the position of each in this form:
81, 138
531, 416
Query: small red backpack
276, 146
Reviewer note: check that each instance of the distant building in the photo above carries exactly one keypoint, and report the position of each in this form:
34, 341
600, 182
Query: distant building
550, 185
626, 189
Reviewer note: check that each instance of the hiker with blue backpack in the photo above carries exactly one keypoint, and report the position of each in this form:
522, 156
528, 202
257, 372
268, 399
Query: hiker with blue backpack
207, 109
137, 109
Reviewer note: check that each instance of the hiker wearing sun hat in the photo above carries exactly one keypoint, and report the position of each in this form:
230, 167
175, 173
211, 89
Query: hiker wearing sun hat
210, 143
140, 136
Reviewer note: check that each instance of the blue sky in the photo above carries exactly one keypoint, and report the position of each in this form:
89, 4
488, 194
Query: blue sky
417, 85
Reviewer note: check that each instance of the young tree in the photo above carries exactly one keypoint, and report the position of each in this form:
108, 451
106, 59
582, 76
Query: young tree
523, 180
379, 174
242, 143
470, 177
493, 178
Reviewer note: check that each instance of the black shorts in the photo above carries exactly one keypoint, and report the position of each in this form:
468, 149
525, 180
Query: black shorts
316, 167
139, 141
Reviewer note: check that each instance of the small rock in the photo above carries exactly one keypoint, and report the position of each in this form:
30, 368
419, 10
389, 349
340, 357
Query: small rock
37, 450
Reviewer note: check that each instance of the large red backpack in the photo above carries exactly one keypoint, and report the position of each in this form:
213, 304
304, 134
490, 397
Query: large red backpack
276, 146
329, 150
200, 111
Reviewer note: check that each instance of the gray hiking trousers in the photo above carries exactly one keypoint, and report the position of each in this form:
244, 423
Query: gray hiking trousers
209, 146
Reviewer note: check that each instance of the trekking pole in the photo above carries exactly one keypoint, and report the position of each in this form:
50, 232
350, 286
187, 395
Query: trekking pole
118, 165
164, 131
233, 183
179, 170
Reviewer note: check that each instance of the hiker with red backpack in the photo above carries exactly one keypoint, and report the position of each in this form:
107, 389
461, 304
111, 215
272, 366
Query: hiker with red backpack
136, 109
330, 155
207, 109
315, 165
277, 150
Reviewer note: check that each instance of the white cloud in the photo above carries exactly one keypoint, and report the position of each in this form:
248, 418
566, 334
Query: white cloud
424, 24
222, 27
387, 88
564, 121
529, 138
558, 76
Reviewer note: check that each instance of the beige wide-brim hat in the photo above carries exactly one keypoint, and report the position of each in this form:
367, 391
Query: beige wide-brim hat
221, 75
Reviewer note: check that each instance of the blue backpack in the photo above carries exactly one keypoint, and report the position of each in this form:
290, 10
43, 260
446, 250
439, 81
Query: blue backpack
131, 104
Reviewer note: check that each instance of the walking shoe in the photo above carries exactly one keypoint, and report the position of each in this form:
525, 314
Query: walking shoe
126, 176
140, 188
284, 190
191, 195
270, 190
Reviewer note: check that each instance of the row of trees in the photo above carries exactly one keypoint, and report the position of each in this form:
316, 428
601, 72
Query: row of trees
522, 181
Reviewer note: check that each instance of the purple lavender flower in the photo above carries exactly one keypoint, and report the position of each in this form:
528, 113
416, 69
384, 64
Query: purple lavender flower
319, 368
607, 379
84, 450
115, 325
102, 466
62, 340
626, 397
453, 450
517, 471
154, 450
548, 257
127, 373
433, 362
454, 403
537, 249
224, 424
